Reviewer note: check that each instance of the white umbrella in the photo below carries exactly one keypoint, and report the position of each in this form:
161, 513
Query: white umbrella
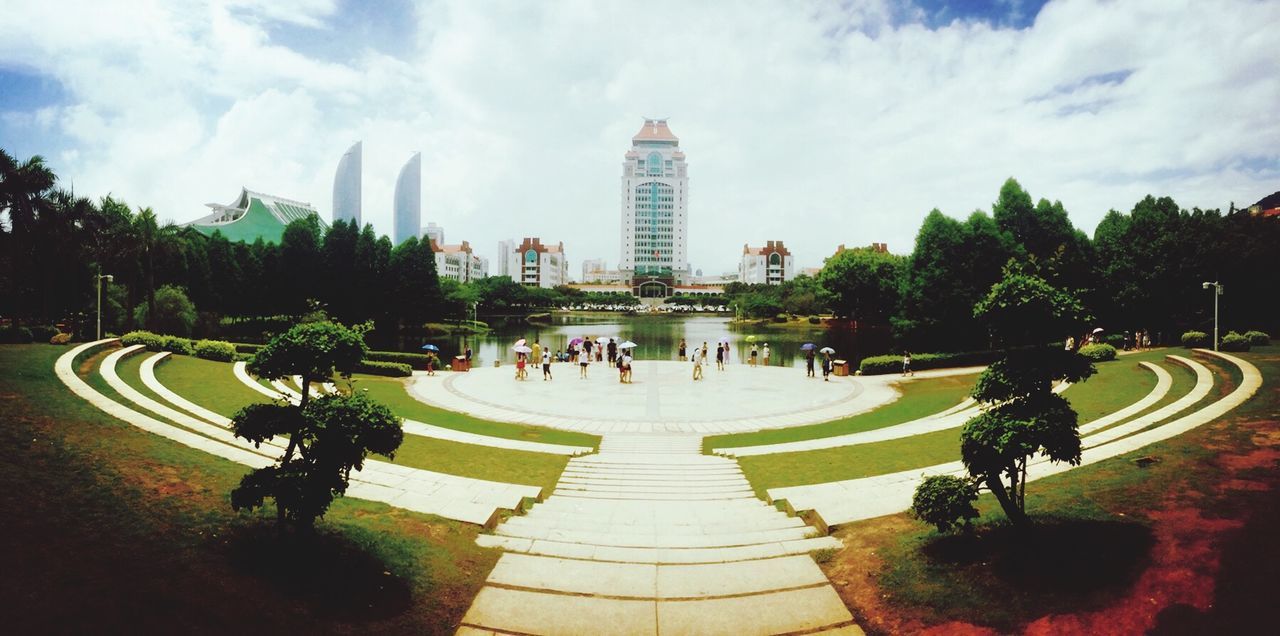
628, 345
602, 339
826, 350
519, 343
724, 339
1098, 330
522, 349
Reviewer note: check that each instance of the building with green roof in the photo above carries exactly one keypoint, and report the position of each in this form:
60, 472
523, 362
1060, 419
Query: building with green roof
253, 216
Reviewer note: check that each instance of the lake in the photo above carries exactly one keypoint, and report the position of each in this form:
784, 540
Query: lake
658, 337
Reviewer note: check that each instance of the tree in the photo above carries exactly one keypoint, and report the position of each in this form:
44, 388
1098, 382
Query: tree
332, 435
153, 242
863, 283
414, 281
945, 501
1022, 415
174, 313
300, 263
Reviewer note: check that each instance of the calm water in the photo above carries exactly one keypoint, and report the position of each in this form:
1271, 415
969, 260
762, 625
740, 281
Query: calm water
658, 338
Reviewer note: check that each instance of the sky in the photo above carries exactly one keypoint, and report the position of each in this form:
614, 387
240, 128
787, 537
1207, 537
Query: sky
814, 123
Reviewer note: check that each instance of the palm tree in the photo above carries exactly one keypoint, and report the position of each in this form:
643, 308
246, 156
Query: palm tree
23, 185
153, 240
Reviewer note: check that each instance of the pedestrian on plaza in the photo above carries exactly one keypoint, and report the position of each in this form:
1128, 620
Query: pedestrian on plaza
680, 353
755, 352
808, 363
765, 354
561, 356
720, 356
697, 367
621, 376
826, 367
626, 366
537, 352
520, 372
583, 360
546, 364
613, 350
1071, 344
599, 353
703, 352
468, 355
432, 361
586, 347
906, 364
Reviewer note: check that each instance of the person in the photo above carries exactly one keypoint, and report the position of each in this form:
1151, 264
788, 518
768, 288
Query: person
626, 366
599, 353
583, 361
432, 361
906, 363
546, 364
808, 363
726, 352
561, 356
468, 355
613, 350
622, 377
720, 356
1146, 340
586, 346
697, 367
1071, 344
826, 367
754, 353
520, 372
680, 353
537, 352
765, 354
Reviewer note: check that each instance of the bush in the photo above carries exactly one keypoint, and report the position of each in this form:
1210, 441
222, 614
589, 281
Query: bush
1098, 352
814, 320
1193, 339
218, 350
411, 359
15, 335
391, 369
153, 342
175, 313
178, 345
249, 349
876, 365
945, 501
1257, 338
1113, 339
43, 333
1234, 342
780, 318
60, 338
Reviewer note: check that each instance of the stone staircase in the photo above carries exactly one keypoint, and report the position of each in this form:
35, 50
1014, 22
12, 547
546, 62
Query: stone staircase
650, 536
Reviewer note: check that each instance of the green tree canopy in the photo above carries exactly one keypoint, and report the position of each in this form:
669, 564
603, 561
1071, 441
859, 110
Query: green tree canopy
862, 283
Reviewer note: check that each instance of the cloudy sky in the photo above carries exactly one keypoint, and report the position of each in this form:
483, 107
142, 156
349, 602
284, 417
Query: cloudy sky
816, 123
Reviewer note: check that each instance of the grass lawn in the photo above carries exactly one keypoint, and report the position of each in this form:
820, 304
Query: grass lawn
394, 393
121, 531
919, 398
1183, 545
1111, 388
467, 460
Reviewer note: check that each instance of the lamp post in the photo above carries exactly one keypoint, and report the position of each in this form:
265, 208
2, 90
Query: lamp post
109, 278
1217, 291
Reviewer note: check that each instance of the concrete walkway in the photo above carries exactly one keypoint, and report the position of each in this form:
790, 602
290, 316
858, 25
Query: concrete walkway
649, 536
869, 497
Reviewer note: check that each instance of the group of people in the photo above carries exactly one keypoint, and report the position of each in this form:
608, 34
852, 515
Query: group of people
581, 352
827, 365
1140, 339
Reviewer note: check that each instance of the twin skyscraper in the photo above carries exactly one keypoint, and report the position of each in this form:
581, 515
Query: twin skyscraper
407, 212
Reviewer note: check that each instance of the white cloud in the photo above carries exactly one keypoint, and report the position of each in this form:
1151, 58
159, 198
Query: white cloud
814, 124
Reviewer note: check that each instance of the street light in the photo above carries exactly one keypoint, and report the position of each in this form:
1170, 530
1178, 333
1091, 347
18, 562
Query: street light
109, 278
1217, 291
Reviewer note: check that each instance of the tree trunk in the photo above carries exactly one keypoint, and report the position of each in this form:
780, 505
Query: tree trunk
1011, 509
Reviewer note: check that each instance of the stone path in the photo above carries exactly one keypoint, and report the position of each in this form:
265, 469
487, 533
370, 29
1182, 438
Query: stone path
866, 498
650, 536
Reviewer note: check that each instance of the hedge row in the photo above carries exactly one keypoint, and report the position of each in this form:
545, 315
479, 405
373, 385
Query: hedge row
876, 365
411, 359
392, 369
207, 349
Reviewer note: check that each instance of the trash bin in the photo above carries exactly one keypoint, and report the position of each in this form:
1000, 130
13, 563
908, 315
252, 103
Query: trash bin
460, 363
497, 363
840, 367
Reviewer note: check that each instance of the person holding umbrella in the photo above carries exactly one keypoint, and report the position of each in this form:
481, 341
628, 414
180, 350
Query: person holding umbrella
808, 348
826, 363
765, 354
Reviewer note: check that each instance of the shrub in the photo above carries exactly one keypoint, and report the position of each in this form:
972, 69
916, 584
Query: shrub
178, 345
15, 335
392, 369
247, 348
814, 320
411, 359
43, 333
1113, 339
1258, 338
60, 338
153, 342
1234, 342
1098, 352
175, 313
876, 365
945, 501
215, 350
780, 318
1193, 339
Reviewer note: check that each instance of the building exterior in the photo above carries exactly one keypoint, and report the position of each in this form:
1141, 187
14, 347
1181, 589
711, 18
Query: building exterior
768, 265
433, 232
408, 201
535, 264
655, 197
346, 186
506, 253
253, 216
592, 270
458, 262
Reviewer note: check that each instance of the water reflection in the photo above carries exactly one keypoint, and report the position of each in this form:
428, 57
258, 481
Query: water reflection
658, 338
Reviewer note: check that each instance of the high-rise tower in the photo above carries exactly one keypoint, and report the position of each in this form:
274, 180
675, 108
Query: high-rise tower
346, 186
655, 220
408, 200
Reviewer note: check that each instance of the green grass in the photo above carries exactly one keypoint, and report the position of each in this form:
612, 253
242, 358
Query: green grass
116, 524
394, 393
920, 398
1117, 384
207, 383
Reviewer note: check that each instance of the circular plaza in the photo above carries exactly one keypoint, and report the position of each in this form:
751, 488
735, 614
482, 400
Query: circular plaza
662, 397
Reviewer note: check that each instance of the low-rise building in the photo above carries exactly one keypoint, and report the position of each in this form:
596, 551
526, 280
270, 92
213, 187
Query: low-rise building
459, 262
253, 216
536, 264
768, 265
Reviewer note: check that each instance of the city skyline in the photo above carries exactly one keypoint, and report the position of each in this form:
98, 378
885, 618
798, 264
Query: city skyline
855, 119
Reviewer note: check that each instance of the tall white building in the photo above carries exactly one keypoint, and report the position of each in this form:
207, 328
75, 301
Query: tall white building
346, 186
506, 252
655, 220
768, 265
408, 201
536, 264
